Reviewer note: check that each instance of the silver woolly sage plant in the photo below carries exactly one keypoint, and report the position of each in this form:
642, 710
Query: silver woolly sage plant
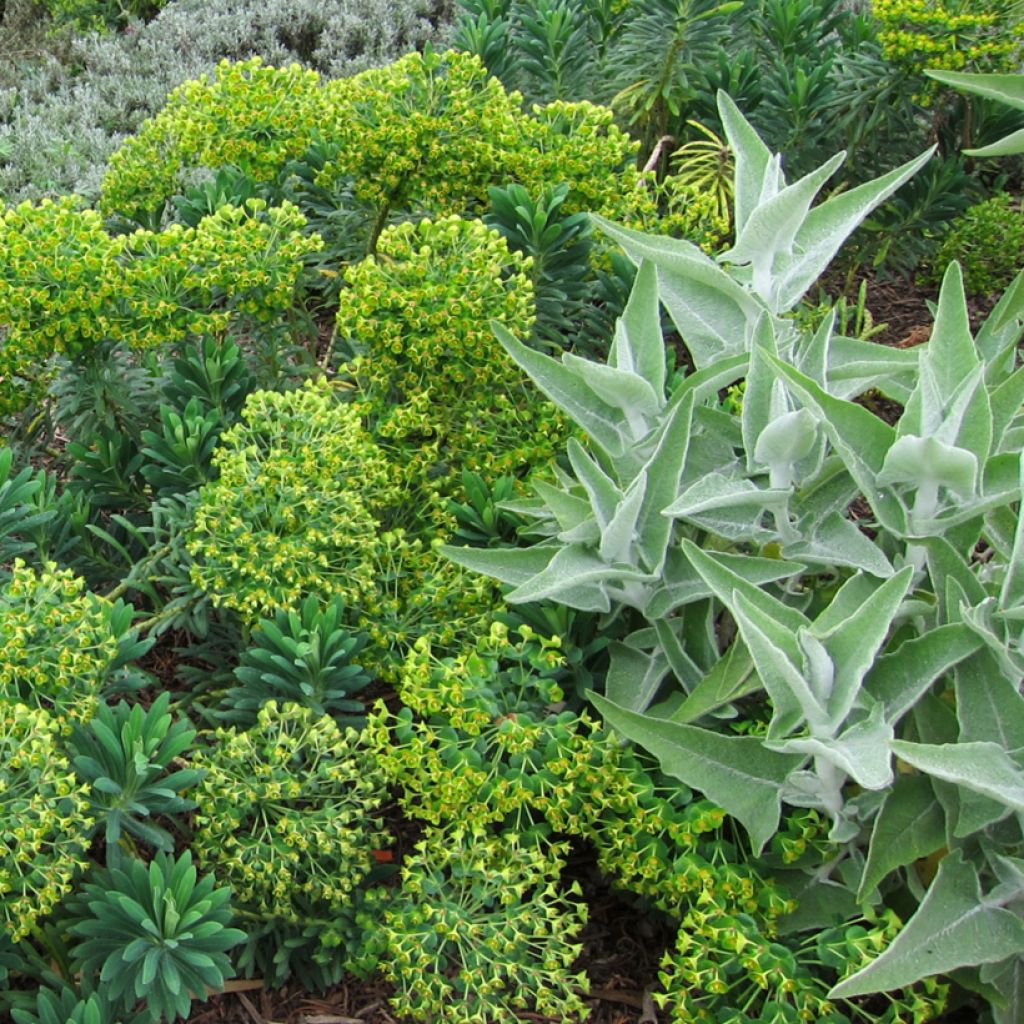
730, 535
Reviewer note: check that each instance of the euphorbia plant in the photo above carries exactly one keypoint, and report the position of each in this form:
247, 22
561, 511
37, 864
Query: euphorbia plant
727, 537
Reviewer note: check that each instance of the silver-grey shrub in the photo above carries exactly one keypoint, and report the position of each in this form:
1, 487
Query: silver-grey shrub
64, 117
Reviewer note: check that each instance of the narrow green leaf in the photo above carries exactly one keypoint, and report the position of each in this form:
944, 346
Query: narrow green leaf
989, 706
955, 926
860, 439
736, 772
836, 541
509, 565
998, 336
1009, 145
1004, 88
771, 228
910, 825
1007, 978
855, 366
779, 663
732, 678
681, 584
634, 676
638, 345
683, 666
602, 490
1011, 593
1006, 401
578, 578
663, 470
828, 225
617, 537
854, 643
899, 678
725, 575
861, 752
714, 315
752, 158
623, 390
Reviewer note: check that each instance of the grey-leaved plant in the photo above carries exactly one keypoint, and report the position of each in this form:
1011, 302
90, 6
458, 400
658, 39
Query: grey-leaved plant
879, 652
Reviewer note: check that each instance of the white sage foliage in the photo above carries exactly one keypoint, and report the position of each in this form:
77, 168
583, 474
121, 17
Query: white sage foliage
685, 512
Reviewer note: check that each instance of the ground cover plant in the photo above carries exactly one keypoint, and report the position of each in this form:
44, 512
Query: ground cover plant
424, 503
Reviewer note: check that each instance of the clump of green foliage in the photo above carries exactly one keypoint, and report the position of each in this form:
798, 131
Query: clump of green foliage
129, 757
428, 133
303, 657
155, 934
679, 510
988, 242
101, 14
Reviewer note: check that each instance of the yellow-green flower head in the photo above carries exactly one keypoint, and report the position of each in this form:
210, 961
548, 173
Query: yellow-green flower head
57, 642
295, 508
247, 115
44, 828
287, 812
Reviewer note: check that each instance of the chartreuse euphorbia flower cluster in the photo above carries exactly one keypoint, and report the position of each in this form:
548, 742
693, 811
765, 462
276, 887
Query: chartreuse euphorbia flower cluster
440, 393
44, 824
60, 642
66, 285
287, 812
295, 508
429, 132
247, 115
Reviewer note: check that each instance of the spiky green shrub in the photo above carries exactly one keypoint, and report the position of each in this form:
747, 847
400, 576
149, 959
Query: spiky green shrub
306, 657
126, 757
44, 818
480, 928
155, 934
63, 646
292, 511
988, 242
